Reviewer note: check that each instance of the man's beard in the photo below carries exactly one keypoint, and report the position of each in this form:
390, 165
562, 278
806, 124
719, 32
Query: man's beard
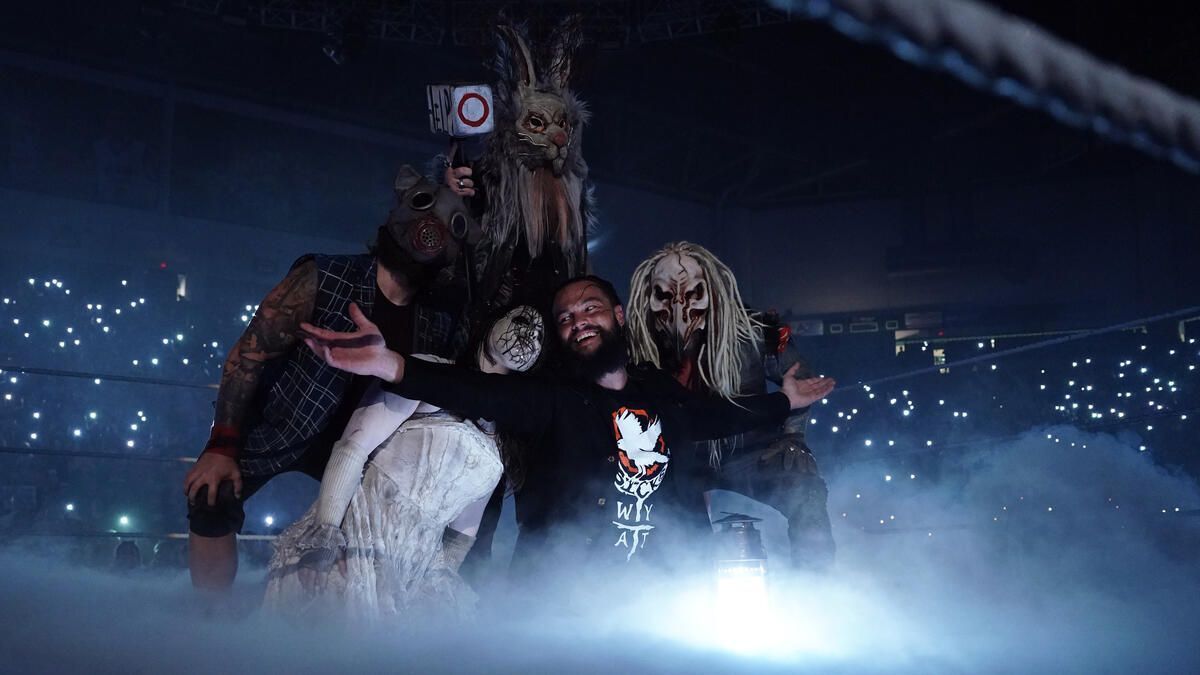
611, 355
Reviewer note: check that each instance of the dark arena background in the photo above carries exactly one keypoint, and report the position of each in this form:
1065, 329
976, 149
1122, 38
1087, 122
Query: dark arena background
982, 218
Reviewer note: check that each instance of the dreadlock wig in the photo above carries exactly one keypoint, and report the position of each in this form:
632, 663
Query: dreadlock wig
683, 295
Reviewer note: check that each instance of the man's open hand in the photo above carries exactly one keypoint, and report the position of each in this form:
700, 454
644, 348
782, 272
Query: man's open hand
803, 393
362, 352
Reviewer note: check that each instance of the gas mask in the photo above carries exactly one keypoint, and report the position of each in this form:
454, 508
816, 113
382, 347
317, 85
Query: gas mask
679, 303
426, 230
515, 339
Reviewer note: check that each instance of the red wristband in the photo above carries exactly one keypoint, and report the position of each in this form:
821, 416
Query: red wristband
224, 440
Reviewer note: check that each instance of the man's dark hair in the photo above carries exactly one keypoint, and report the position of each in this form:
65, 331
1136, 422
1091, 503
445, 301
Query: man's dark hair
603, 284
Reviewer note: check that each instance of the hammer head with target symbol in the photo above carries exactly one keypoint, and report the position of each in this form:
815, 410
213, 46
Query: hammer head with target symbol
460, 110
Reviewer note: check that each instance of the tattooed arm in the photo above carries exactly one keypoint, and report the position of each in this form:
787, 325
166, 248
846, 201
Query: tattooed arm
270, 335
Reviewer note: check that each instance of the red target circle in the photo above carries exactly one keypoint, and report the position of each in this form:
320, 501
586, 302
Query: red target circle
462, 111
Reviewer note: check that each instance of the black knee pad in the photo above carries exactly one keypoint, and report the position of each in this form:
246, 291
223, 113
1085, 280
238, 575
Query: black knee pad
223, 519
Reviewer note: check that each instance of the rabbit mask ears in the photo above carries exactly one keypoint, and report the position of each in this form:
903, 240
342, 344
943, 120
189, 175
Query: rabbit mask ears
515, 60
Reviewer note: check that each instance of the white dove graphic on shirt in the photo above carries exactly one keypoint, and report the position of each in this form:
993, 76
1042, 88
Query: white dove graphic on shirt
638, 444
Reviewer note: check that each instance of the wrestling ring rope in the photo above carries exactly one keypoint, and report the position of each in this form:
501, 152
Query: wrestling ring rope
1127, 325
1018, 60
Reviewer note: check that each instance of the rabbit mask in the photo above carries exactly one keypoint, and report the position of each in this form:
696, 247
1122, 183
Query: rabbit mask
540, 118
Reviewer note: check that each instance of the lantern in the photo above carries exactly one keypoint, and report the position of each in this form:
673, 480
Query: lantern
741, 569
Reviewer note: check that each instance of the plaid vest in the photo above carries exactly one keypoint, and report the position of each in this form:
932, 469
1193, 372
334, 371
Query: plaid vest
300, 400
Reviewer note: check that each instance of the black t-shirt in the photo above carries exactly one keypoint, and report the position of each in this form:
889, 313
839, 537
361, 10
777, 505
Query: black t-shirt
614, 494
395, 322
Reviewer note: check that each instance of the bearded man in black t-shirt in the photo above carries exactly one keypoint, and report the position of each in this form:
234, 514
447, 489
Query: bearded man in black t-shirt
617, 431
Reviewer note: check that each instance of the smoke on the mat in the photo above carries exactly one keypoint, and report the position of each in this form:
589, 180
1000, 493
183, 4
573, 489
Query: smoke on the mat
1085, 586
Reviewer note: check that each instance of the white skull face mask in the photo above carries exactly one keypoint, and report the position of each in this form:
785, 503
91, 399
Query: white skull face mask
679, 300
515, 340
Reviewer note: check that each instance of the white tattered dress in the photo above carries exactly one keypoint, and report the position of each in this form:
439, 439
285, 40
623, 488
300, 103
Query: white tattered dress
416, 482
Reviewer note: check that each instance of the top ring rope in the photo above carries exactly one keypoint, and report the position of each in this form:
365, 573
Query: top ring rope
992, 356
132, 379
1016, 59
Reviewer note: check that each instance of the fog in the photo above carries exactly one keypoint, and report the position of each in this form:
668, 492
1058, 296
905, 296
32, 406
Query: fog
1062, 580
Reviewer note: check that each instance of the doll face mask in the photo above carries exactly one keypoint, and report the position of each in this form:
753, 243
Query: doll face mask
515, 340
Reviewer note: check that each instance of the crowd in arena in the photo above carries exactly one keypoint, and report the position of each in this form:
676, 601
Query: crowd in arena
89, 449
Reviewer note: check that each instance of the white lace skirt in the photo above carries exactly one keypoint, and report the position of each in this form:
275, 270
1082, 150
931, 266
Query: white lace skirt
415, 484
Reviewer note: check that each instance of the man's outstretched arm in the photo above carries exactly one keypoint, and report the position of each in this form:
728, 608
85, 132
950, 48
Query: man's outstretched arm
783, 360
271, 334
525, 404
710, 418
